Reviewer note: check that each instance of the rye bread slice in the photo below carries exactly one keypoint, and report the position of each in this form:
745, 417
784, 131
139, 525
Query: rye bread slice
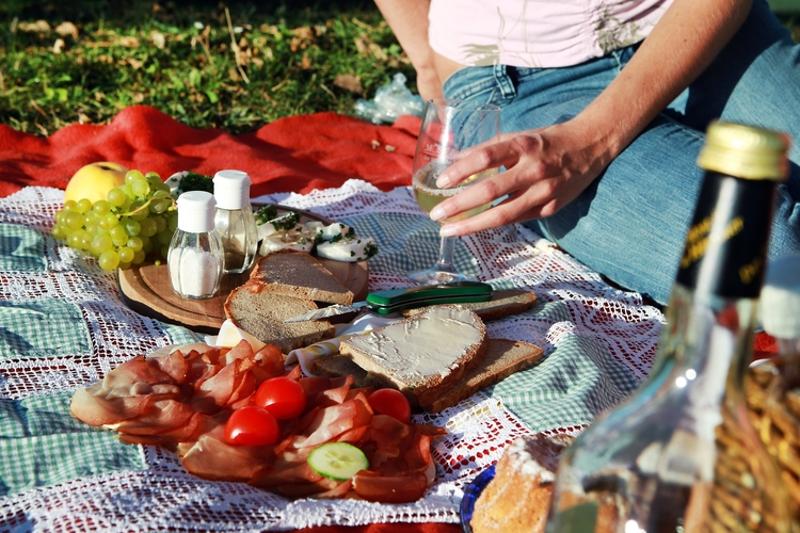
261, 312
503, 303
502, 358
422, 354
300, 275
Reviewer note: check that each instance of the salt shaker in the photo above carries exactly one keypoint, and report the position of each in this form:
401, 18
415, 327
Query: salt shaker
234, 220
195, 256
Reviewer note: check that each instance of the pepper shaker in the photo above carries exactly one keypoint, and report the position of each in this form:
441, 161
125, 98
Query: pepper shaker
195, 257
234, 220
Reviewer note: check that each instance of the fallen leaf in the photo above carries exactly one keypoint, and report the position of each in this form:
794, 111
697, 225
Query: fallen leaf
303, 32
40, 26
349, 82
58, 46
375, 144
66, 29
158, 39
305, 62
128, 41
361, 45
135, 63
389, 148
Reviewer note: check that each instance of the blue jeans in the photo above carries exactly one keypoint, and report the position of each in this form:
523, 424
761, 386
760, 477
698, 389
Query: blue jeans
630, 224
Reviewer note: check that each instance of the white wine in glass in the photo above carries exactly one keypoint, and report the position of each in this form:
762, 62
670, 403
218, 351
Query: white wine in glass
448, 128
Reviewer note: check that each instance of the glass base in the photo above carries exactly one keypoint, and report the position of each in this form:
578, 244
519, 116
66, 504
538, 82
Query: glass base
435, 276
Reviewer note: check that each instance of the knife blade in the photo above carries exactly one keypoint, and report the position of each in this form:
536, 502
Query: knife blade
394, 300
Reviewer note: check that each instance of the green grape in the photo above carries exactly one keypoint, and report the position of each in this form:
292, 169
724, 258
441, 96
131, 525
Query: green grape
160, 206
59, 231
101, 243
137, 213
138, 257
140, 188
74, 241
84, 205
73, 220
133, 175
85, 239
101, 207
70, 205
135, 244
108, 260
92, 218
164, 238
149, 227
154, 180
161, 224
147, 245
60, 217
132, 227
116, 197
126, 255
108, 221
162, 194
118, 235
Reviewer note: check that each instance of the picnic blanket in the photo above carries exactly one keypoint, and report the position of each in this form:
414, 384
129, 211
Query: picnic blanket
63, 325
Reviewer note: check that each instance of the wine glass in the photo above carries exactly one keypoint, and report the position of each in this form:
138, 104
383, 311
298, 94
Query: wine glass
448, 128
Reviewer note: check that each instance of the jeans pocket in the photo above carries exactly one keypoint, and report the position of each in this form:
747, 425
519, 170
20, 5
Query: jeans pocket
471, 82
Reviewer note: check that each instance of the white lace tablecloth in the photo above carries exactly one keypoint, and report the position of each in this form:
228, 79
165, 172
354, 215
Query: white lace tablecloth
62, 326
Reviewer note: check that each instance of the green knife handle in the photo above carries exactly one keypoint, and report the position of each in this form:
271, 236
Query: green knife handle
462, 291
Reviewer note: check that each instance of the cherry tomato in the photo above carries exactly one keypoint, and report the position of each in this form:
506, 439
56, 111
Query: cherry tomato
251, 426
390, 402
283, 397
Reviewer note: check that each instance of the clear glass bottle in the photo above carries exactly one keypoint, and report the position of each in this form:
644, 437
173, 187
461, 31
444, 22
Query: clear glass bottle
234, 220
656, 462
194, 259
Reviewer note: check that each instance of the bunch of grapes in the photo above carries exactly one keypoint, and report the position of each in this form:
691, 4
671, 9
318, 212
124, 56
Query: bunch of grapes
134, 222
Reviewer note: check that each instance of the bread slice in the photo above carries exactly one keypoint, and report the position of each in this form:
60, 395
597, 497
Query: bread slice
503, 303
300, 275
261, 312
423, 354
502, 358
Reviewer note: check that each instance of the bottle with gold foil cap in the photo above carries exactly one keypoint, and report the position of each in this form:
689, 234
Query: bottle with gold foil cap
681, 453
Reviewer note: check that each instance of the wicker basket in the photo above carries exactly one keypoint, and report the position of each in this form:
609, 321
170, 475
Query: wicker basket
772, 391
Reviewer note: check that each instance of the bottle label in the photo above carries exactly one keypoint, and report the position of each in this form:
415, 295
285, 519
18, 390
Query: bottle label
726, 245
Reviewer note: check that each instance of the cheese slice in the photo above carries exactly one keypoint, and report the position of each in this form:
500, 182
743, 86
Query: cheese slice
229, 336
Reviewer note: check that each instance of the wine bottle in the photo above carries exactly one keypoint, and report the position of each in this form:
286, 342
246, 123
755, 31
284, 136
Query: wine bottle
655, 463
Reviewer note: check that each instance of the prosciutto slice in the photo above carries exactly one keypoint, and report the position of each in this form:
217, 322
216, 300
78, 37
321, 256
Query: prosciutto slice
181, 398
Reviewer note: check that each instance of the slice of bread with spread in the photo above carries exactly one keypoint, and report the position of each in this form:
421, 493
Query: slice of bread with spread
256, 309
424, 354
501, 358
300, 275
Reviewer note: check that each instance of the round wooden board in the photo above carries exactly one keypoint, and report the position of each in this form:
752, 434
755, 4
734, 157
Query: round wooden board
147, 289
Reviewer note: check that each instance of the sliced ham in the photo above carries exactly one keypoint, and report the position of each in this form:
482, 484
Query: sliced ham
211, 458
377, 487
334, 420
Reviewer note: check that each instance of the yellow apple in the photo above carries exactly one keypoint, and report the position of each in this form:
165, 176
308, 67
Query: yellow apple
93, 181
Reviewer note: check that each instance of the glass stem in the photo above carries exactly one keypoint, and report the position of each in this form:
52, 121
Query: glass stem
445, 261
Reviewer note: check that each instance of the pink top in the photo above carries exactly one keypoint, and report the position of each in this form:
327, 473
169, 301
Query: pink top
538, 33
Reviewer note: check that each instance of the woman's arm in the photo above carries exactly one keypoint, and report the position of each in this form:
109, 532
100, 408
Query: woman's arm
409, 22
550, 167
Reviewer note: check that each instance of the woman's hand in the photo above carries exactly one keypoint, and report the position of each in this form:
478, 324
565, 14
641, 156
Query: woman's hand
545, 170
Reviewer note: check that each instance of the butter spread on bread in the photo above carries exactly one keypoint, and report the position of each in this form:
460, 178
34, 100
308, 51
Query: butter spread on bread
423, 354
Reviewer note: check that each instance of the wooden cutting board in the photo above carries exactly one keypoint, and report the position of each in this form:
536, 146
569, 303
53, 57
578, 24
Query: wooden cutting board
147, 289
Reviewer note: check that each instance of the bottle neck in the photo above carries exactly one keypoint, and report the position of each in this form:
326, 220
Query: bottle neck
712, 309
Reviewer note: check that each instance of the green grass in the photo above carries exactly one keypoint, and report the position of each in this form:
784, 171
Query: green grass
293, 57
289, 58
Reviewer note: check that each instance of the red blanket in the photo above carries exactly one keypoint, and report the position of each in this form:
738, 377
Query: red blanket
297, 153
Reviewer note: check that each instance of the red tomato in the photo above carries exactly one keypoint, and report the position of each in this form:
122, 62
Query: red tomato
251, 426
390, 402
283, 397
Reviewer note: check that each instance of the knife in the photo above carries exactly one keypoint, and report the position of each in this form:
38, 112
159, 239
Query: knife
391, 301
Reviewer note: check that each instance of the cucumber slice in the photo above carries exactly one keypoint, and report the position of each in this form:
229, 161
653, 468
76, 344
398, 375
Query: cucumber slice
338, 460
